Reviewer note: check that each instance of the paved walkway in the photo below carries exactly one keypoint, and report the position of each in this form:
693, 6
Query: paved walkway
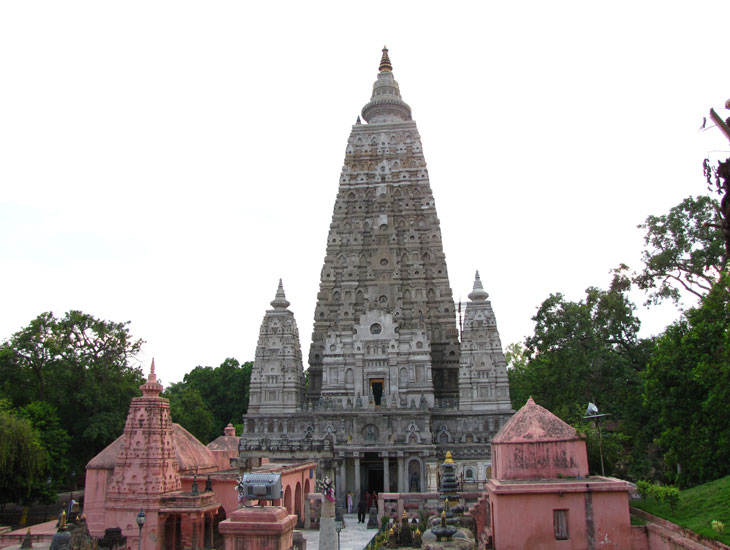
354, 536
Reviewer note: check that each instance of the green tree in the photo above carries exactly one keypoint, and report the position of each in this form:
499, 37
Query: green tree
224, 390
188, 409
586, 351
23, 459
688, 390
80, 365
56, 442
684, 250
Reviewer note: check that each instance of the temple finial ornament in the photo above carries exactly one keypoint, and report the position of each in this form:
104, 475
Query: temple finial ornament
478, 294
385, 61
151, 388
280, 301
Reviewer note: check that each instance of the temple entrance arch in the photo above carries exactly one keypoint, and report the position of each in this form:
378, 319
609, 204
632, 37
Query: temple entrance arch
298, 501
371, 473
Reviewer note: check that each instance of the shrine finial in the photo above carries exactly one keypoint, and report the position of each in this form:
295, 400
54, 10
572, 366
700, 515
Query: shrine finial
385, 61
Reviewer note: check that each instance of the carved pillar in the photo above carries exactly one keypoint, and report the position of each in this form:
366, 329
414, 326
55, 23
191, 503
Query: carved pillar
386, 474
432, 484
327, 533
341, 486
401, 476
358, 496
307, 513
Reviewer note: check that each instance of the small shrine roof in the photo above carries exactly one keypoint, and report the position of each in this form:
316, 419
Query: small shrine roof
224, 443
192, 455
107, 459
534, 424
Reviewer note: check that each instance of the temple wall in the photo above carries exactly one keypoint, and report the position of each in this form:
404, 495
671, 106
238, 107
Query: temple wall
94, 497
660, 534
540, 460
525, 519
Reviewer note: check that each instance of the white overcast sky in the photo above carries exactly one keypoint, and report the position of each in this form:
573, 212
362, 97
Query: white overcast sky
166, 163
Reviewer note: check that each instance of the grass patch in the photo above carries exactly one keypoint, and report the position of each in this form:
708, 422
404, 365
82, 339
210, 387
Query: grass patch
697, 508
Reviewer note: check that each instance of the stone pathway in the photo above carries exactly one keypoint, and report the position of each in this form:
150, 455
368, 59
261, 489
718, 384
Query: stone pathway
354, 536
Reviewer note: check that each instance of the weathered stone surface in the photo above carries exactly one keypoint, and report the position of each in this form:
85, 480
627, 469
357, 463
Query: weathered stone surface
533, 424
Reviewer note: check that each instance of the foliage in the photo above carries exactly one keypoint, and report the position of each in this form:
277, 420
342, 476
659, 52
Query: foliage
661, 493
684, 250
188, 409
80, 366
642, 487
717, 526
23, 460
688, 390
696, 508
223, 394
56, 442
612, 443
718, 180
590, 350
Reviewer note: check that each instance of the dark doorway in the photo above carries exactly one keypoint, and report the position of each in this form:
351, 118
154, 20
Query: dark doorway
376, 388
375, 480
371, 472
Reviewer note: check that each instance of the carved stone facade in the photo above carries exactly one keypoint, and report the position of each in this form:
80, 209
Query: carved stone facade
391, 387
277, 379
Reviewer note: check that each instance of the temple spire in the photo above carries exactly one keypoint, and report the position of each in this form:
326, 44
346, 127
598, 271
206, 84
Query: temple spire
386, 104
385, 61
280, 301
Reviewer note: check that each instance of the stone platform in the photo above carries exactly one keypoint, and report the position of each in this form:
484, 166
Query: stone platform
355, 536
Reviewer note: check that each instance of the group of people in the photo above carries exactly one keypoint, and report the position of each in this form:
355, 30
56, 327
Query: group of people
370, 499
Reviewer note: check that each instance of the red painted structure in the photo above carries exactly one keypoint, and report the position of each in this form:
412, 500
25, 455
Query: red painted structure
154, 465
541, 495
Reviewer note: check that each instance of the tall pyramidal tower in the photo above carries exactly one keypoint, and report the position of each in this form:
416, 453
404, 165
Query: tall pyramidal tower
392, 387
384, 324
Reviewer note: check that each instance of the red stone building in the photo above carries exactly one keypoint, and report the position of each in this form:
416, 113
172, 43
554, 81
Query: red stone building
184, 488
541, 495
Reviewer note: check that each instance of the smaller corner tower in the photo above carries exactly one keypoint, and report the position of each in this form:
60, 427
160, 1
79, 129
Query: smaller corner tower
277, 377
483, 382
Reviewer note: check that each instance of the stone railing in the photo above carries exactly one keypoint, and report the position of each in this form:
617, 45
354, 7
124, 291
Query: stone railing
662, 534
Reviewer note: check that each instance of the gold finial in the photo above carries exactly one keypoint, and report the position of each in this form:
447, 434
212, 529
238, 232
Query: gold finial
448, 459
385, 61
405, 514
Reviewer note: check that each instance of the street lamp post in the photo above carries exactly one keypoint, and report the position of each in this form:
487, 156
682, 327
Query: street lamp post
592, 414
140, 523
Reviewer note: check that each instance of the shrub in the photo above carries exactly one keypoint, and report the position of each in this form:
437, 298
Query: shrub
643, 488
